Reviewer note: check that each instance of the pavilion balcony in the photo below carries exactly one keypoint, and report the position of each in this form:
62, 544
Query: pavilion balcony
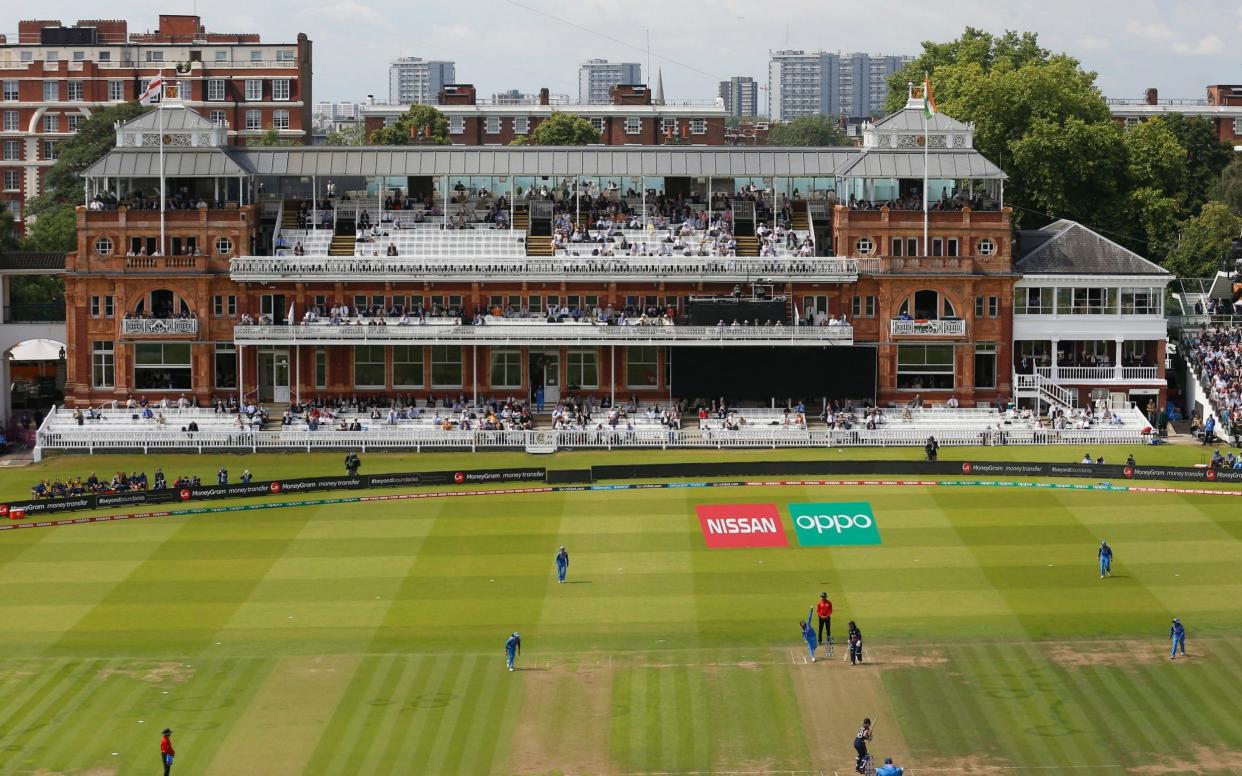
534, 333
324, 269
159, 327
954, 327
1068, 375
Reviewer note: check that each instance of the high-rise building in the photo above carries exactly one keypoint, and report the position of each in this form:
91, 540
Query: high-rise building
807, 84
416, 80
741, 96
54, 77
597, 76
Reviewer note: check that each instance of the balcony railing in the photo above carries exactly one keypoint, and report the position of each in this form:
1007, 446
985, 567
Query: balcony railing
329, 270
537, 334
1100, 374
930, 328
159, 326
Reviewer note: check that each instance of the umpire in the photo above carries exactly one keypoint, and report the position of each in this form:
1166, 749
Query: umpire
823, 609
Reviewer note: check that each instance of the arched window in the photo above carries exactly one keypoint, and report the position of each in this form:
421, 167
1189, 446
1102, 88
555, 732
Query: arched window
162, 303
926, 305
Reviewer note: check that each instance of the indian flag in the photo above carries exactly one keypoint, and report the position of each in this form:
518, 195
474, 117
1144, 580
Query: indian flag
929, 102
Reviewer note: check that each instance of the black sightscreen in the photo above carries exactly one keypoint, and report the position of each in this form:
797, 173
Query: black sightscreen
760, 373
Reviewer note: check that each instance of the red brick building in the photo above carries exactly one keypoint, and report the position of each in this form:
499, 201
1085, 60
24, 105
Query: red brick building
54, 76
1222, 107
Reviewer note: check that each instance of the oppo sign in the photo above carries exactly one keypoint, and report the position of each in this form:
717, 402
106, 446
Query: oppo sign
839, 524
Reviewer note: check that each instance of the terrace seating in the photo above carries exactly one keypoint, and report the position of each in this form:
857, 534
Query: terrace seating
449, 243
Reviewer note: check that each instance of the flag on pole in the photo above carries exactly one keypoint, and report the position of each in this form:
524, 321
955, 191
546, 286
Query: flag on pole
929, 102
153, 90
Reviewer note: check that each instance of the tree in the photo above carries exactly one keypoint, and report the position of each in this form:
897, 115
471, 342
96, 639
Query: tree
54, 230
1204, 243
94, 138
8, 240
1228, 187
421, 124
1206, 157
269, 139
562, 129
807, 131
347, 135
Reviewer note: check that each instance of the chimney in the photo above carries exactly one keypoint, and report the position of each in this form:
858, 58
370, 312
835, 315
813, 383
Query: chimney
630, 94
545, 98
1151, 96
457, 94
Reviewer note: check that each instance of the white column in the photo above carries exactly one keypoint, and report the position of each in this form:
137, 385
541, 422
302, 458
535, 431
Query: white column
314, 202
1118, 369
1056, 374
297, 373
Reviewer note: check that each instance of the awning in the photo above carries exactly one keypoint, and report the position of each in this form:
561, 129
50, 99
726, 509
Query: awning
36, 350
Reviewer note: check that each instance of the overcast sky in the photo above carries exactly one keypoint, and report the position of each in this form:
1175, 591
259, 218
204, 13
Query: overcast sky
1178, 47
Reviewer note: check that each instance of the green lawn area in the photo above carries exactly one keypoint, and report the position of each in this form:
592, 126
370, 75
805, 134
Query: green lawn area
367, 638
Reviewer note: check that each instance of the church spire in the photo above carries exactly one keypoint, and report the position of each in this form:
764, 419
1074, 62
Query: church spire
658, 99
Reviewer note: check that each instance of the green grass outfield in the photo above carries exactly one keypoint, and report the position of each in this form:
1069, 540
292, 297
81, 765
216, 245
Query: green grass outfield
367, 638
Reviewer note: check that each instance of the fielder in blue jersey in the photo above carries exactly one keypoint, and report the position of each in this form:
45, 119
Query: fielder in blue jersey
513, 648
1178, 634
808, 633
562, 565
1105, 555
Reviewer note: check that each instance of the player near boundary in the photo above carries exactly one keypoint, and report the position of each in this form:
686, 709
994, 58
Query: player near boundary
855, 642
888, 769
562, 565
1105, 555
823, 608
860, 745
808, 633
1178, 634
166, 751
513, 648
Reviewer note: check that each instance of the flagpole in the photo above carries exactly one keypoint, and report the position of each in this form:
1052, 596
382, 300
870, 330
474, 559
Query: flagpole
926, 107
163, 203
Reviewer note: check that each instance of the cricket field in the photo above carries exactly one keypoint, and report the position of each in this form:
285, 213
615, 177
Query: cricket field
368, 638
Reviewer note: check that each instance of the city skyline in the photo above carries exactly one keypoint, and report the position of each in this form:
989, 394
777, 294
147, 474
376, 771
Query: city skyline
1131, 45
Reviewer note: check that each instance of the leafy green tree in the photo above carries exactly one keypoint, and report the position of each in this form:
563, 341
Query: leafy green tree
270, 139
54, 230
1204, 243
1228, 187
562, 129
8, 237
421, 124
347, 135
807, 131
94, 138
1206, 157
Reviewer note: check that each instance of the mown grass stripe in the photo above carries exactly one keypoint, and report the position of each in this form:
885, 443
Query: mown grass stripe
1110, 729
955, 716
671, 716
89, 744
396, 727
1037, 701
362, 749
228, 677
620, 717
452, 731
1137, 696
17, 702
352, 714
478, 740
33, 714
62, 708
426, 724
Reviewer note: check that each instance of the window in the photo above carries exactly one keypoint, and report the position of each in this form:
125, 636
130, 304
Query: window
222, 56
78, 56
597, 124
101, 307
52, 56
155, 56
74, 120
12, 180
1086, 301
491, 125
254, 119
254, 89
698, 126
256, 55
162, 366
104, 56
1032, 301
284, 55
924, 367
27, 56
951, 245
979, 306
116, 91
12, 150
51, 122
49, 150
457, 125
103, 365
407, 366
521, 125
280, 89
76, 92
321, 367
445, 366
226, 366
633, 125
11, 93
986, 246
51, 91
280, 119
215, 89
987, 305
668, 126
369, 366
103, 246
222, 305
1141, 301
993, 306
224, 246
1237, 127
985, 364
217, 117
640, 367
583, 369
506, 368
863, 307
899, 245
864, 246
10, 121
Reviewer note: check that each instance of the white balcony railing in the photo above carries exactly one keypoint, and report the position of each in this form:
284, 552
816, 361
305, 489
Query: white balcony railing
1100, 374
931, 328
159, 326
330, 270
540, 334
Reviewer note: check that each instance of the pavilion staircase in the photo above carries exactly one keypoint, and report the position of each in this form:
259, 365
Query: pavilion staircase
538, 245
342, 245
801, 219
747, 245
521, 219
1043, 391
290, 218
